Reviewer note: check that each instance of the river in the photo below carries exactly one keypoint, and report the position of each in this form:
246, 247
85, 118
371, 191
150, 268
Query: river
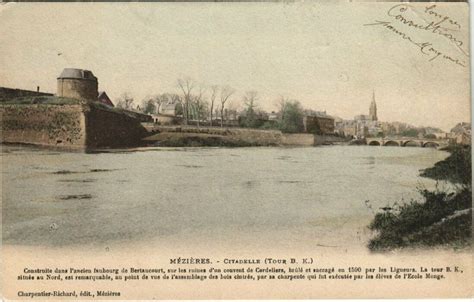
208, 197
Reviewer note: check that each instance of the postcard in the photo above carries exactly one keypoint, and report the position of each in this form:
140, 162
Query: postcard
267, 150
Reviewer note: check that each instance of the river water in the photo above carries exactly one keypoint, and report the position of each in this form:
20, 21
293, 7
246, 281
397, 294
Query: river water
216, 197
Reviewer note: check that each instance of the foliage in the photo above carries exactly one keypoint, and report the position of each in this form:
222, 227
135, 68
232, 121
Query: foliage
456, 168
149, 106
430, 136
410, 132
250, 118
270, 125
292, 117
125, 101
439, 218
403, 227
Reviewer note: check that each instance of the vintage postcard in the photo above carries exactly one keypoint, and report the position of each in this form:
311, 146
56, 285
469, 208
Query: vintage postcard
270, 150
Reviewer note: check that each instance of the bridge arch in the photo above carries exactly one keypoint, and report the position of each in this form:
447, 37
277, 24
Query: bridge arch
411, 143
374, 143
431, 145
391, 143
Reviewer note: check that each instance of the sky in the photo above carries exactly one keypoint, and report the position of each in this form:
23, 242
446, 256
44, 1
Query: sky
320, 54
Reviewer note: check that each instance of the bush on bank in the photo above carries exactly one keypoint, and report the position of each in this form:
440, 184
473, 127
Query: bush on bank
439, 218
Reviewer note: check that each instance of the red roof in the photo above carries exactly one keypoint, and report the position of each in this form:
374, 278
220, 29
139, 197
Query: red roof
104, 99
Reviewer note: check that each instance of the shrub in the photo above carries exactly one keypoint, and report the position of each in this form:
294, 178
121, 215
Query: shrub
439, 218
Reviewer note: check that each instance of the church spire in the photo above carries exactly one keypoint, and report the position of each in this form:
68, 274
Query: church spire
373, 108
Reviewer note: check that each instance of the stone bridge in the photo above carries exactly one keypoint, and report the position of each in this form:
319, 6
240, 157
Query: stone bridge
407, 142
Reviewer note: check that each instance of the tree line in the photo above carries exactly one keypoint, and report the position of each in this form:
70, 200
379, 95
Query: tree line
215, 105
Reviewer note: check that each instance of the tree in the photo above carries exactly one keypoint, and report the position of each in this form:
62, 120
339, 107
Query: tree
225, 94
214, 92
125, 101
148, 106
250, 98
186, 86
291, 116
412, 132
198, 101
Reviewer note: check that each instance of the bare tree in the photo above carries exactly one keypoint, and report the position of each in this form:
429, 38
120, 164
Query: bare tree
214, 91
186, 86
250, 99
161, 99
281, 104
198, 101
225, 94
217, 111
125, 101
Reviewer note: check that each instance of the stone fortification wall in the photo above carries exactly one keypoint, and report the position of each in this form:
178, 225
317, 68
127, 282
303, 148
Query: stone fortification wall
250, 137
298, 139
246, 136
77, 126
257, 137
329, 140
10, 93
112, 128
48, 125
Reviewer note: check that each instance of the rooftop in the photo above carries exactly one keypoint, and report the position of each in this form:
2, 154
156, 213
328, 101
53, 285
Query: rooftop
74, 73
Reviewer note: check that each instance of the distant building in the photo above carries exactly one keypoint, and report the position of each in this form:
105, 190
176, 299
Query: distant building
104, 99
461, 128
362, 118
368, 125
273, 116
441, 135
361, 130
319, 123
463, 139
171, 108
461, 134
346, 128
162, 119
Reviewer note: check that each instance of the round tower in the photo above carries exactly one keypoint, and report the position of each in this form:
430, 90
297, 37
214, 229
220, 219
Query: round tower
78, 84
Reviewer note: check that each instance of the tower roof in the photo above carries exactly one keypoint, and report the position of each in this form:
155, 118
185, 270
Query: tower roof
75, 73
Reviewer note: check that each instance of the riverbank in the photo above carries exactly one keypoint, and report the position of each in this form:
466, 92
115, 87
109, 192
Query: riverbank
438, 218
190, 136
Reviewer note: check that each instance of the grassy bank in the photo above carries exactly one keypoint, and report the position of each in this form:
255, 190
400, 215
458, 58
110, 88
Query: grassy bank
438, 217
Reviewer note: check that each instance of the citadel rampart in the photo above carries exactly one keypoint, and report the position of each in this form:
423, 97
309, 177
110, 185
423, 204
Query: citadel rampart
74, 119
111, 128
69, 126
47, 125
10, 93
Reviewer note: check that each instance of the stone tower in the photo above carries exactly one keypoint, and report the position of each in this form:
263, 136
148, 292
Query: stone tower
373, 109
78, 84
